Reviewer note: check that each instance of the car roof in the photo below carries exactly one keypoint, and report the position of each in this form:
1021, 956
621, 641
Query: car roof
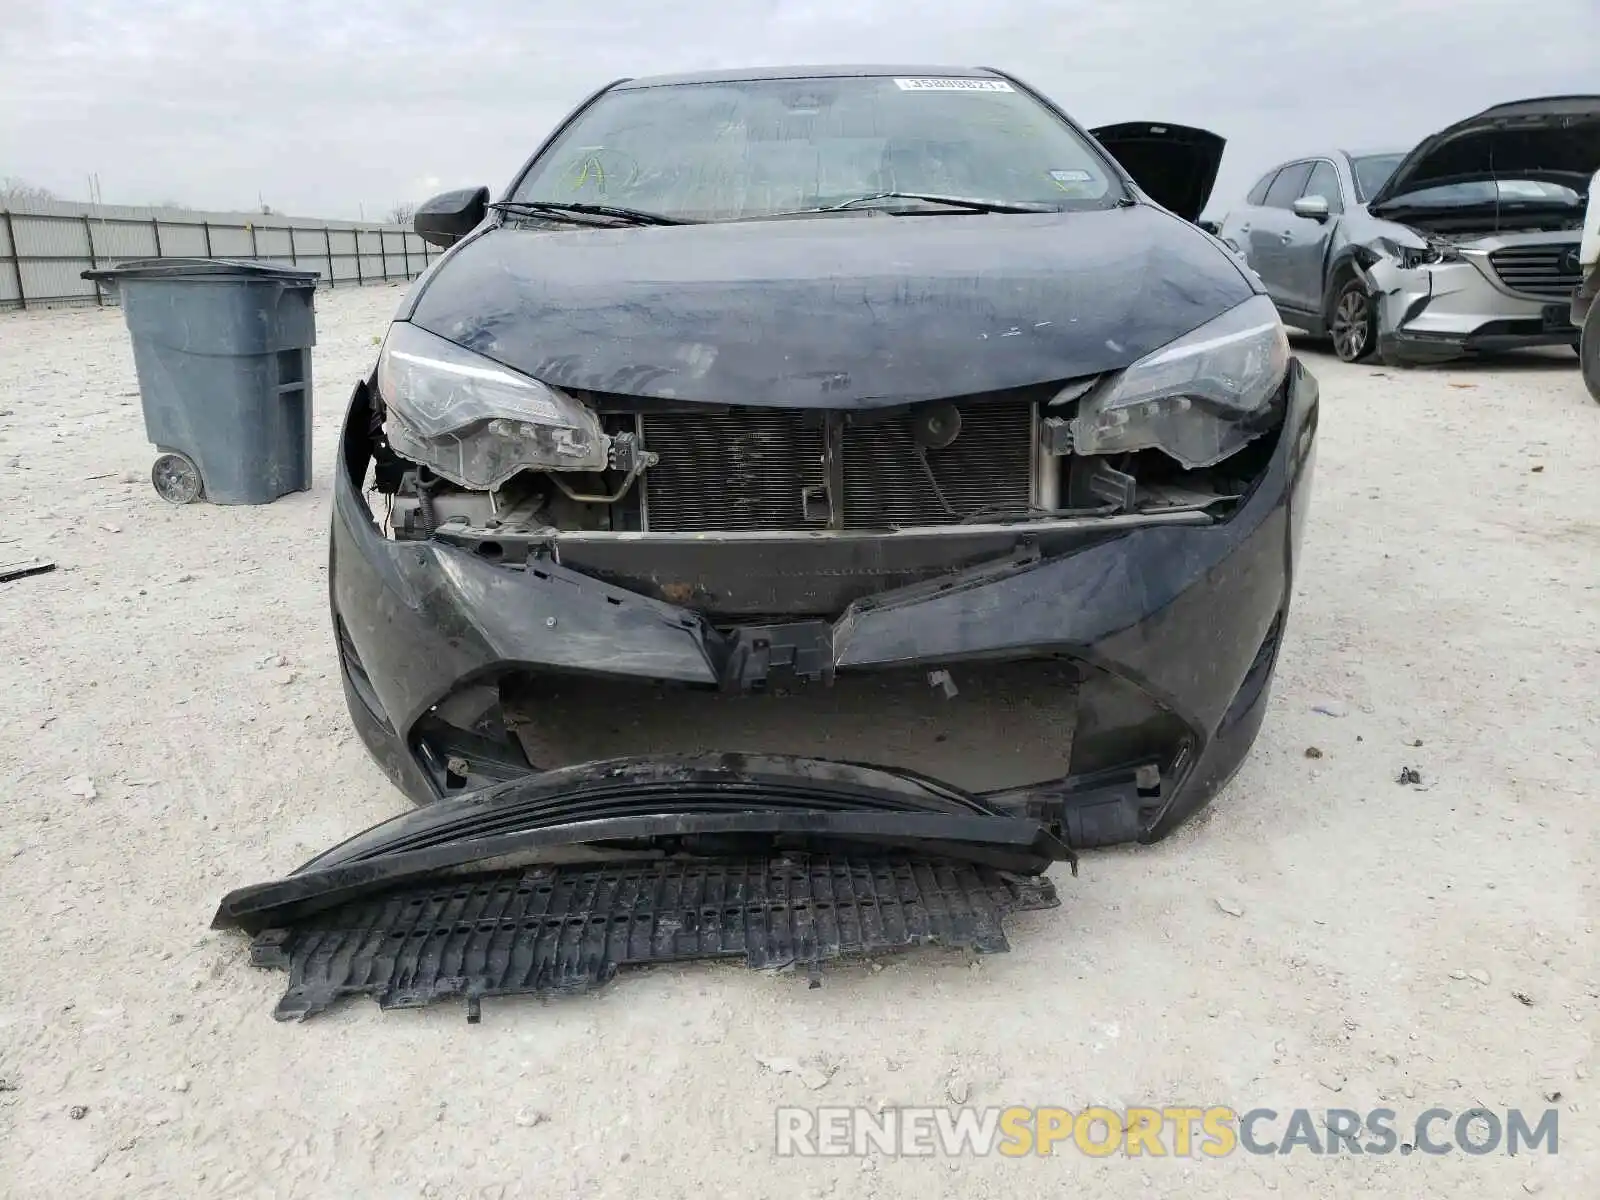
741, 74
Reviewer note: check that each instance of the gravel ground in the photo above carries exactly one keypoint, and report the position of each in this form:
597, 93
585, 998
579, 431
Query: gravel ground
1324, 937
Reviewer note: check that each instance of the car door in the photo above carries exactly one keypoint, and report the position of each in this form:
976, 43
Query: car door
1305, 240
1235, 228
1269, 229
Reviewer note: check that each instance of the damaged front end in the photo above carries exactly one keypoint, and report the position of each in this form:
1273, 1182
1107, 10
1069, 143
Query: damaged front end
1476, 246
1066, 599
1441, 296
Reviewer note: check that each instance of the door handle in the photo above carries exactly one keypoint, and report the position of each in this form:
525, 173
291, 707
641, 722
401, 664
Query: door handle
1287, 238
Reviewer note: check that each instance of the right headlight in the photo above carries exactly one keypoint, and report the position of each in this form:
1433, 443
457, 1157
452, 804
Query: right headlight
474, 421
1198, 399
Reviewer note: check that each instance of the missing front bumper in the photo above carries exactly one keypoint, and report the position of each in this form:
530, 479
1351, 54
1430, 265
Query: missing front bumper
1170, 627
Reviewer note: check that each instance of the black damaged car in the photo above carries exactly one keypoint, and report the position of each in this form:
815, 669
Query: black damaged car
855, 416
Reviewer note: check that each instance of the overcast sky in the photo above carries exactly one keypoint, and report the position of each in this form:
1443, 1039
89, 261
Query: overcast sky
323, 107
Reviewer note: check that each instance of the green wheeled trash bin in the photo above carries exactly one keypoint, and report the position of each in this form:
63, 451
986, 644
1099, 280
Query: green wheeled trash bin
223, 353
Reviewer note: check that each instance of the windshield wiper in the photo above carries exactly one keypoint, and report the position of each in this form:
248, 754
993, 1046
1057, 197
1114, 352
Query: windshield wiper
966, 202
557, 208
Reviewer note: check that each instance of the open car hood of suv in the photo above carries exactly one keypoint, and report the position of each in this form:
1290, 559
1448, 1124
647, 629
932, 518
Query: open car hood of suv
549, 883
1176, 165
1554, 139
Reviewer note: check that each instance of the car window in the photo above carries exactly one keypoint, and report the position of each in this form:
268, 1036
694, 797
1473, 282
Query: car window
1258, 194
1324, 182
1286, 188
752, 148
1371, 172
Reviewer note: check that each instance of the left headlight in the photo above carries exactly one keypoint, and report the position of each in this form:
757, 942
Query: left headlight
475, 422
1198, 399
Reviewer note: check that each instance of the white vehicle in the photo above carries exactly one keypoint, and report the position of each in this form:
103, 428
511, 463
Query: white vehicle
1585, 308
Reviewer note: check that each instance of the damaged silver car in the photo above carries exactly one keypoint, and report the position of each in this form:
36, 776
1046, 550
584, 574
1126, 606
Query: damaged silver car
1466, 244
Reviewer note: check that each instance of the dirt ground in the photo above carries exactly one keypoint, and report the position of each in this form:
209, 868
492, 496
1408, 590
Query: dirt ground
1323, 937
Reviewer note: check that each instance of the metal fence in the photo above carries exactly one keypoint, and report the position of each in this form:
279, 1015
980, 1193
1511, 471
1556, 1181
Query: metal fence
45, 248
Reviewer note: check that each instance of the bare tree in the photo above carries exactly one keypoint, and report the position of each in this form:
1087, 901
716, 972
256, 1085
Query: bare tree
20, 191
402, 212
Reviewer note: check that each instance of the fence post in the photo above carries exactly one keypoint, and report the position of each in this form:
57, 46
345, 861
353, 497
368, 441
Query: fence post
155, 228
206, 225
255, 252
293, 257
94, 265
327, 240
360, 279
16, 259
405, 251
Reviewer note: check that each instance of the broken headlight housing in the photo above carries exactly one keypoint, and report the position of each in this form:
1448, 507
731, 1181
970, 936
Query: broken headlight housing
1198, 399
1411, 257
475, 422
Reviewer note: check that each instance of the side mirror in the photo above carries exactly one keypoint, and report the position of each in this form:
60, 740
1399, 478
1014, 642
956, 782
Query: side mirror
1313, 208
450, 216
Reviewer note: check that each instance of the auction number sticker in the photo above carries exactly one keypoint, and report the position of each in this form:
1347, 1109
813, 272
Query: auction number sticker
953, 85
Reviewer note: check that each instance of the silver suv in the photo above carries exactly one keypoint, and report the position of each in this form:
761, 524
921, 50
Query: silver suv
1467, 243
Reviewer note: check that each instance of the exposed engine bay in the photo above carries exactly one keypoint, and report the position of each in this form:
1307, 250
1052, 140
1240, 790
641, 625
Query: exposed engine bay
703, 473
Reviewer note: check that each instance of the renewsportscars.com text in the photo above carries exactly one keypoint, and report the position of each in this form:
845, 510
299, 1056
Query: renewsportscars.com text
1180, 1131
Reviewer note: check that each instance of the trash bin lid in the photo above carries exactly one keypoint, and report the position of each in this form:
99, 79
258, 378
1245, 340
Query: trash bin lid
201, 268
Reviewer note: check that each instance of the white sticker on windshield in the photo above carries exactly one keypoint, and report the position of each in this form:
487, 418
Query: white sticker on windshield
1072, 176
952, 85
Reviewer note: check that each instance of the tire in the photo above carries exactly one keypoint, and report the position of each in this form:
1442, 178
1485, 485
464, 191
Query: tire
1589, 351
1353, 322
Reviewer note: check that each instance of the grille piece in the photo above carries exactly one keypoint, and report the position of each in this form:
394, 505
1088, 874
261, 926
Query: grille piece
559, 930
1550, 271
751, 469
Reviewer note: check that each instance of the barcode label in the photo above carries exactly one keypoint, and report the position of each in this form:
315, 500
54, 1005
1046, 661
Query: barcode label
953, 85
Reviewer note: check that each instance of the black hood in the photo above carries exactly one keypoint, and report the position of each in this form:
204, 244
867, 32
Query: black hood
1176, 165
1555, 140
831, 312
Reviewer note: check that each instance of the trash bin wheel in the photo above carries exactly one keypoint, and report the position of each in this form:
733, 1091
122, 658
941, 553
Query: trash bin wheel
176, 479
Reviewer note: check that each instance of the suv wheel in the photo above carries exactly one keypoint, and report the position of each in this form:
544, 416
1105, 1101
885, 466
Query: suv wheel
1354, 324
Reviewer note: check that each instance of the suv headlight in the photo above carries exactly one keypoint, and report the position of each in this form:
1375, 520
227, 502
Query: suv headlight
475, 422
1198, 399
1411, 257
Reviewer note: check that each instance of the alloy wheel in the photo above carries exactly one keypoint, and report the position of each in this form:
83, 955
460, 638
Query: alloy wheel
1352, 324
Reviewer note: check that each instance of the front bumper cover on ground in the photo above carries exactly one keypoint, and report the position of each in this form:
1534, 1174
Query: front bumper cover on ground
1171, 623
549, 884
